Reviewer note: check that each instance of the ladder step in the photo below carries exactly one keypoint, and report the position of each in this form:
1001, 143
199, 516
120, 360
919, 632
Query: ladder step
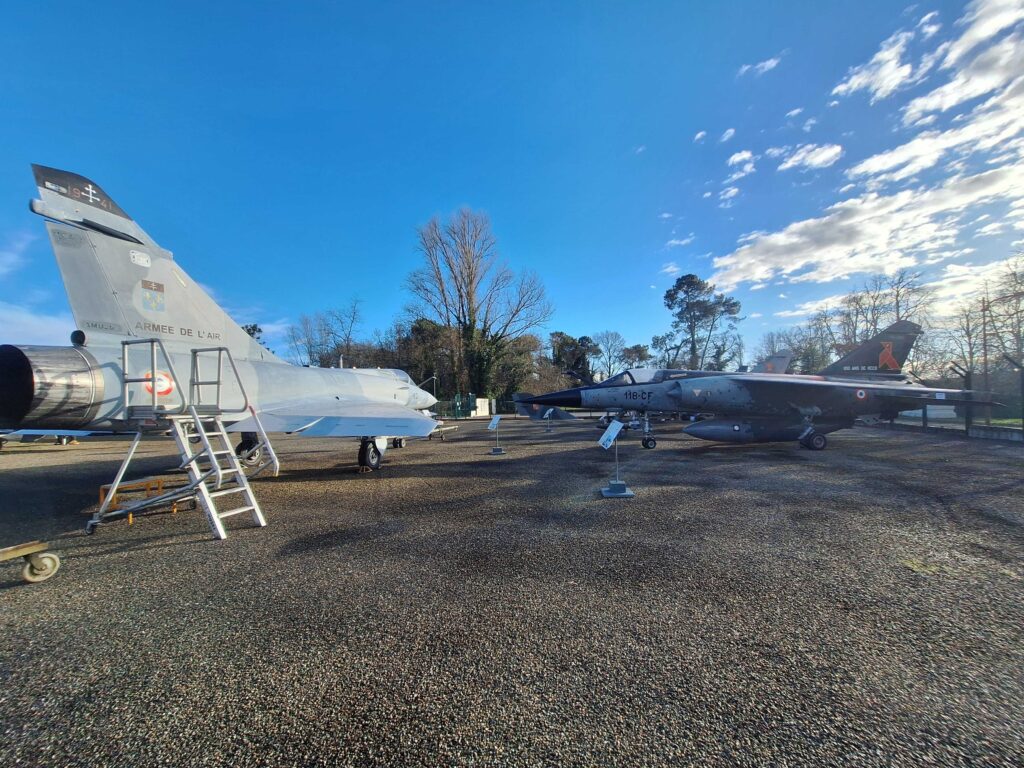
226, 491
238, 511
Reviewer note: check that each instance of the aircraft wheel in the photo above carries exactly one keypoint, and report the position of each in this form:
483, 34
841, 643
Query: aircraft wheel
253, 459
46, 564
369, 455
648, 442
398, 442
817, 441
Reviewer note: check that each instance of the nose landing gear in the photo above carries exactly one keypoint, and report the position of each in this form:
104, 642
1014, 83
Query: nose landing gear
648, 440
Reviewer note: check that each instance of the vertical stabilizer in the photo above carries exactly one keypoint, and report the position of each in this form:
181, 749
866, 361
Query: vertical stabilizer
119, 281
883, 354
777, 363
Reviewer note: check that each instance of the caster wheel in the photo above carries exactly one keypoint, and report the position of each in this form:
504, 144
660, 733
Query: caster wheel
90, 528
46, 564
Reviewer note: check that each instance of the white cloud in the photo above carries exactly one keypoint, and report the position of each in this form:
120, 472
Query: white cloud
794, 112
679, 242
669, 268
745, 161
991, 69
989, 126
755, 315
640, 150
729, 133
810, 123
665, 215
12, 255
706, 195
727, 196
812, 156
740, 157
868, 234
700, 136
984, 20
761, 67
22, 325
928, 24
833, 103
812, 307
774, 152
884, 74
961, 282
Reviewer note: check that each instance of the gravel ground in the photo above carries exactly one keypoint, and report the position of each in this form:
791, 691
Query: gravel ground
751, 605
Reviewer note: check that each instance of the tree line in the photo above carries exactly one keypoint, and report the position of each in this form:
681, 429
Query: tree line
473, 325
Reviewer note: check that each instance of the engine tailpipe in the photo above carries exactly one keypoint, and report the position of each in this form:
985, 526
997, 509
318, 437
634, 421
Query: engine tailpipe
48, 387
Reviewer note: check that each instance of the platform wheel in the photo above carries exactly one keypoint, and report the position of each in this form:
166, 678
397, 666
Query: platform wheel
41, 567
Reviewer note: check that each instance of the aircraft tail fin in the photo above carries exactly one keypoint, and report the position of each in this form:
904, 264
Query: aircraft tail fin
883, 354
119, 281
536, 411
777, 363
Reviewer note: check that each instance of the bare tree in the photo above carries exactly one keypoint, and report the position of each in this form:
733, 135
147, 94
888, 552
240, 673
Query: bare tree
908, 298
612, 344
463, 286
325, 339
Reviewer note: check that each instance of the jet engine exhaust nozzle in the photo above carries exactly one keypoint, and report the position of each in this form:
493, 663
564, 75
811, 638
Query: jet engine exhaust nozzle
48, 387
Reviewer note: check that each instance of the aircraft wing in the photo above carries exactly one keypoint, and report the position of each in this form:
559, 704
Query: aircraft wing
789, 387
321, 417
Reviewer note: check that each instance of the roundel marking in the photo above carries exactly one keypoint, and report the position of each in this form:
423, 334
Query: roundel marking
861, 394
163, 382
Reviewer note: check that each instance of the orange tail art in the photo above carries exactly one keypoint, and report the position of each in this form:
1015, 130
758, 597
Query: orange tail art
886, 359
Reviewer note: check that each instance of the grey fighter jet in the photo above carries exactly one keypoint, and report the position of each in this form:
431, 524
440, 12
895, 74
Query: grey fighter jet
123, 289
638, 416
764, 407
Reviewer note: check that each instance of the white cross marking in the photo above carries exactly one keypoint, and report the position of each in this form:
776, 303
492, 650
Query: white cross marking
91, 196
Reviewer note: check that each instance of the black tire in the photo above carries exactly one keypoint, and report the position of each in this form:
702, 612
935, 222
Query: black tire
817, 441
369, 455
253, 459
649, 443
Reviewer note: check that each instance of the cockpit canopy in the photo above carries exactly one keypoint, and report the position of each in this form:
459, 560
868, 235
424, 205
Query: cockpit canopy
644, 376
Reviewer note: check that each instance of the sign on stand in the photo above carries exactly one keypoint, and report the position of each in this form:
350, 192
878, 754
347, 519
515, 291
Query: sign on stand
610, 434
616, 489
497, 450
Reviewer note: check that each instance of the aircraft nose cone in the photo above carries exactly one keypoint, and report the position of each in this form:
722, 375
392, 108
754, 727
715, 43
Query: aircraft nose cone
567, 398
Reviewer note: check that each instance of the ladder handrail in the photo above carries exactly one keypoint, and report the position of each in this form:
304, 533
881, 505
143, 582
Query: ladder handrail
127, 381
272, 460
196, 382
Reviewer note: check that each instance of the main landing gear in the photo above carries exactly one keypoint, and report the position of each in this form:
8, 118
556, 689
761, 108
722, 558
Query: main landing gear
369, 455
249, 451
814, 441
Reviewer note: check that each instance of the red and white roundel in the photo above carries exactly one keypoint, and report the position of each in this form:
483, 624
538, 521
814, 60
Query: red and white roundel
164, 383
861, 394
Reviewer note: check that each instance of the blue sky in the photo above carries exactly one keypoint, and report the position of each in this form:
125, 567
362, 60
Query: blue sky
287, 154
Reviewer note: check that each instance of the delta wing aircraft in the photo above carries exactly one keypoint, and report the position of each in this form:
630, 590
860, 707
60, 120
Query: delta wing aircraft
767, 407
142, 322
